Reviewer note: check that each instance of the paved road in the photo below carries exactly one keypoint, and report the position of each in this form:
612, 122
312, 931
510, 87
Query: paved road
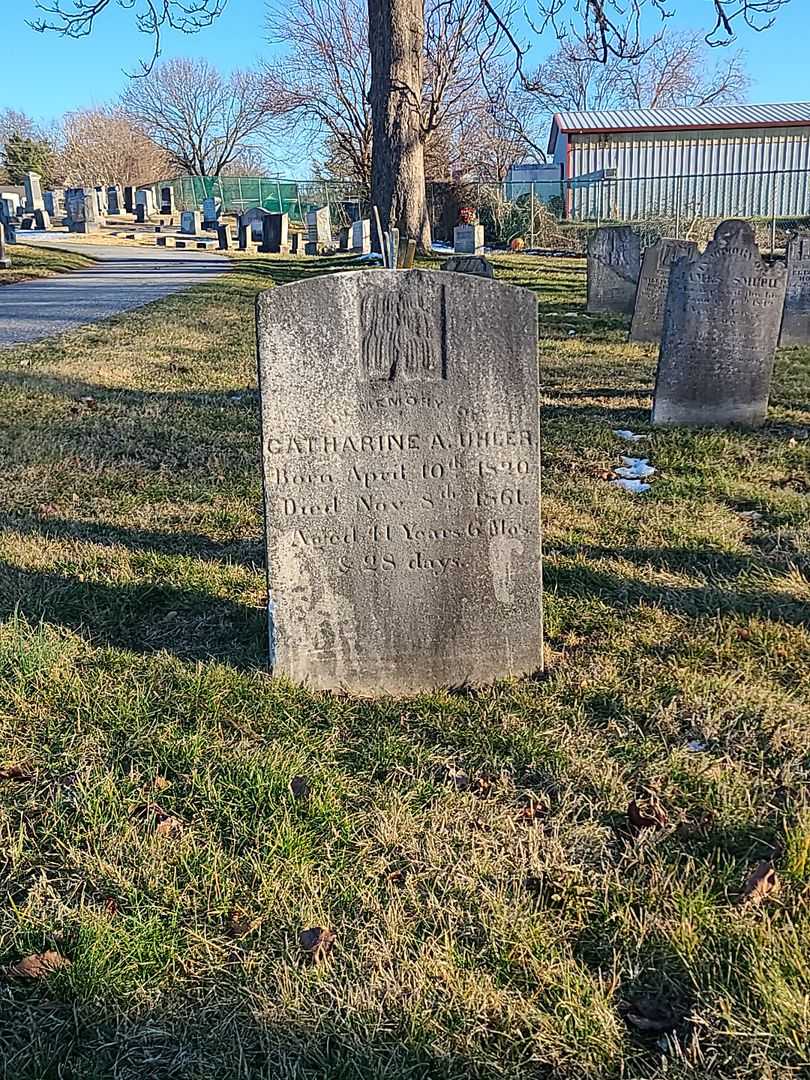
125, 278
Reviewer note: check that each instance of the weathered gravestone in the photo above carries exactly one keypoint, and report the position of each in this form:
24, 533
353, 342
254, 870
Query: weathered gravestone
42, 220
101, 197
721, 324
297, 243
54, 201
469, 264
614, 261
11, 200
210, 213
401, 480
5, 261
796, 316
167, 201
129, 199
190, 222
83, 215
225, 237
653, 282
246, 239
468, 239
319, 230
115, 199
33, 192
144, 204
254, 218
360, 238
274, 233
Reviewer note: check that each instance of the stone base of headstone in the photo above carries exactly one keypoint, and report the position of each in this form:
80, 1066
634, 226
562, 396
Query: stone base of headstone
165, 241
469, 264
468, 239
5, 263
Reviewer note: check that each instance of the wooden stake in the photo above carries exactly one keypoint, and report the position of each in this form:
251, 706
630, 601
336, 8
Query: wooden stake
380, 235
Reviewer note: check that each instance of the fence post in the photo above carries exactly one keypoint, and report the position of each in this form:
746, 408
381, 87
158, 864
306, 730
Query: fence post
678, 201
280, 205
531, 211
241, 200
773, 216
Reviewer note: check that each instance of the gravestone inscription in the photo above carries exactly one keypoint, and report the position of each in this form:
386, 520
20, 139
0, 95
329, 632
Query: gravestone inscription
721, 324
796, 316
653, 282
401, 479
614, 261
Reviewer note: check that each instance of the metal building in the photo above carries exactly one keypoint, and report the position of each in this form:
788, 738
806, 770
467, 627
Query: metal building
714, 161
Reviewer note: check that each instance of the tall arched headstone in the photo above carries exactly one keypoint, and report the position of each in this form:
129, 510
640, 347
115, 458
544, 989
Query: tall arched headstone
721, 325
796, 316
401, 480
651, 296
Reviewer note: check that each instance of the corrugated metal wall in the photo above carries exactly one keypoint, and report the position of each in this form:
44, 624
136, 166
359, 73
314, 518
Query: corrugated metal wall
750, 173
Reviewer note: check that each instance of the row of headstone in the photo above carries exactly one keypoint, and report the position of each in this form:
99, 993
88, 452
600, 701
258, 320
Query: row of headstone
718, 316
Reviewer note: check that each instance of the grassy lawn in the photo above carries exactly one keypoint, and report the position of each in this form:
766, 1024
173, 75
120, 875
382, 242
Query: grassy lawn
29, 262
494, 913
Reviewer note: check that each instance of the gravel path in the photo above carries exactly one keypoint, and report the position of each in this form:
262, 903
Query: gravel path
124, 278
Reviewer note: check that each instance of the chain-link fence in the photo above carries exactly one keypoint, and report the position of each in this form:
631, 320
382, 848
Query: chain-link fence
544, 214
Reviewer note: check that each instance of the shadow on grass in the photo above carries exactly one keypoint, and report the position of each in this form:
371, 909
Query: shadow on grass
692, 601
248, 553
146, 617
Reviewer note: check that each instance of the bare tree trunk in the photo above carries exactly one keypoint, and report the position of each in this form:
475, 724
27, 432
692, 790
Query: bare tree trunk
396, 31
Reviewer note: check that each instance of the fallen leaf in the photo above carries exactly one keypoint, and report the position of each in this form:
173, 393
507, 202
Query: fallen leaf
299, 786
240, 922
531, 812
110, 907
169, 826
760, 884
17, 772
650, 815
161, 783
36, 966
317, 942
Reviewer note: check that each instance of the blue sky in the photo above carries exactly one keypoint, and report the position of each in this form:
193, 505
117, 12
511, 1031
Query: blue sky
44, 75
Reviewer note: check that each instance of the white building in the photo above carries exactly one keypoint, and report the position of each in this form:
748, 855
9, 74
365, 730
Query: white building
714, 161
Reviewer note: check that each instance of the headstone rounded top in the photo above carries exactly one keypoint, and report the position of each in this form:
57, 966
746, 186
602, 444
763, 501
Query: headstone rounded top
733, 231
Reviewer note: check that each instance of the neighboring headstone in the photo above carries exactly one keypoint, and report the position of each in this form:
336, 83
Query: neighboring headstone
190, 222
167, 200
33, 192
101, 196
246, 240
210, 213
129, 199
360, 239
401, 480
145, 199
42, 220
274, 233
255, 219
319, 229
614, 262
5, 259
721, 325
796, 316
298, 242
343, 239
12, 201
651, 294
54, 201
84, 216
469, 264
115, 199
468, 239
225, 237
166, 241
